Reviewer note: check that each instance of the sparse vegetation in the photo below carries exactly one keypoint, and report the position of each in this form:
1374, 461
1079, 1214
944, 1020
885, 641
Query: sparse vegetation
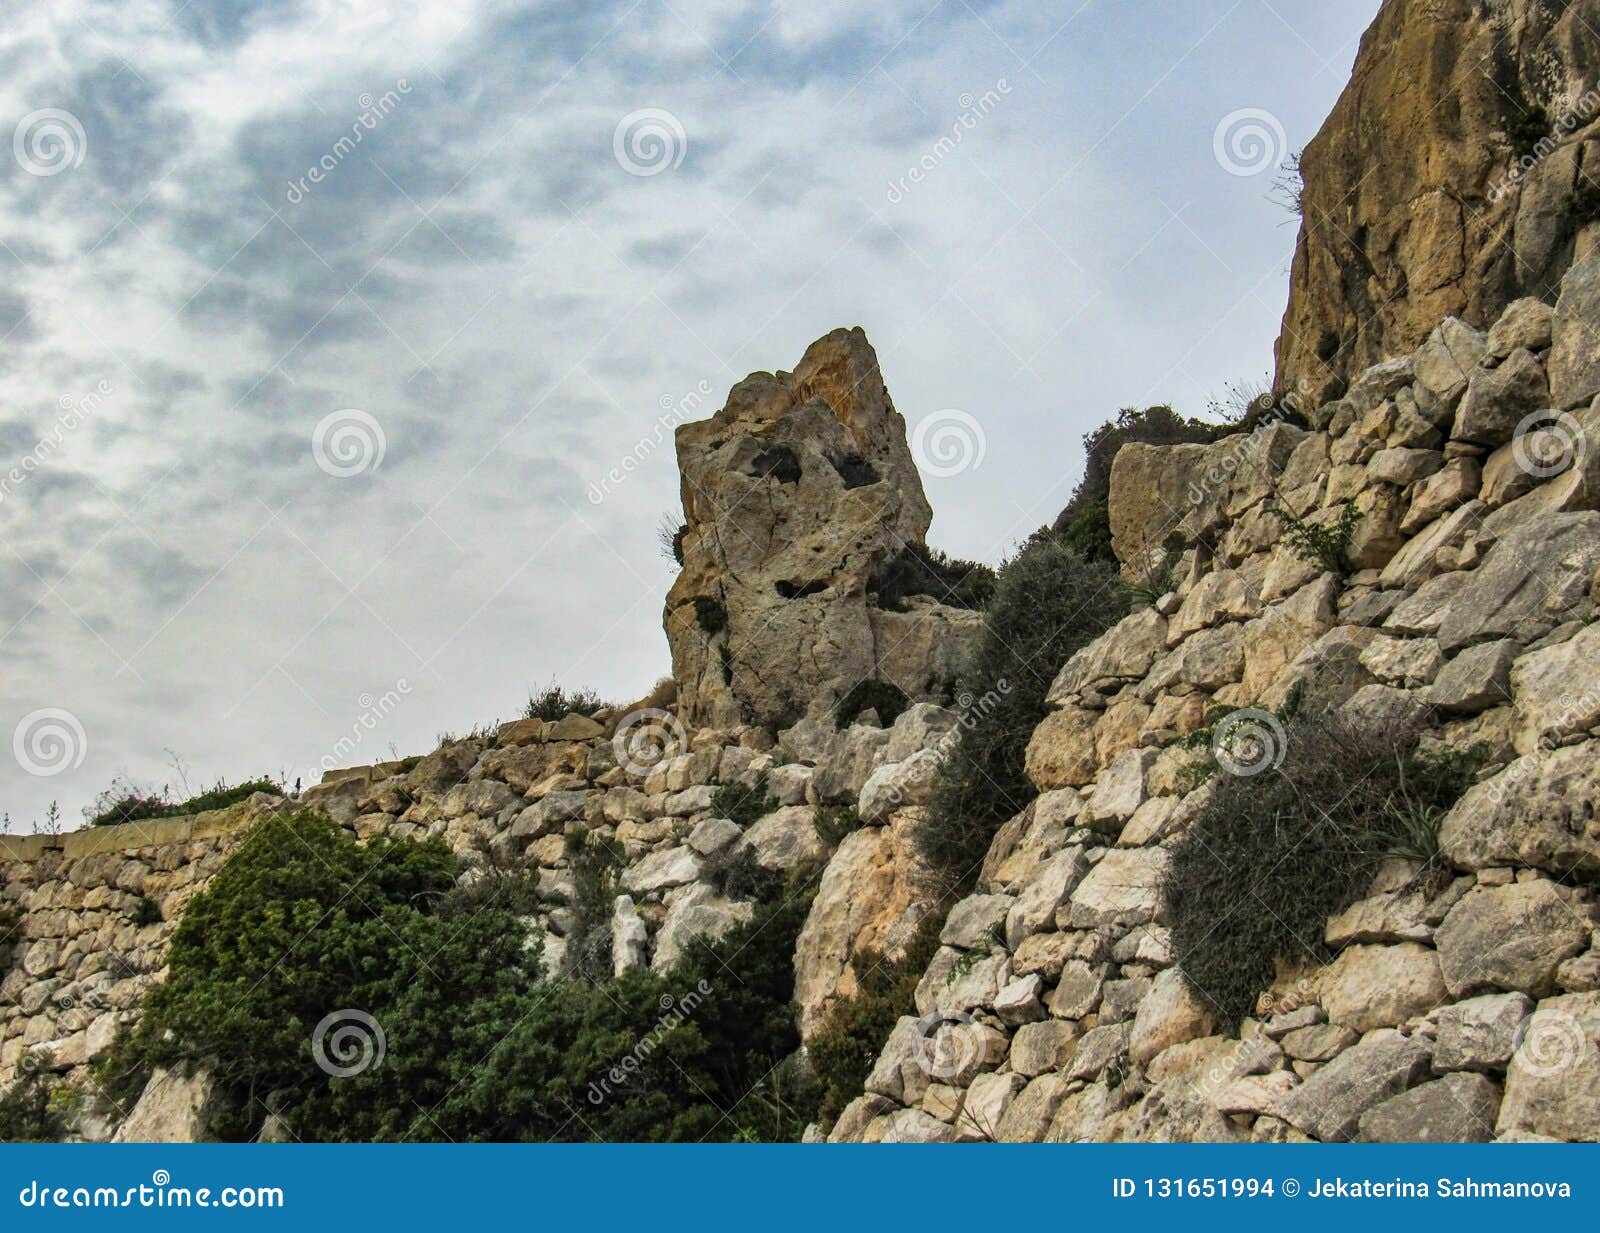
1527, 127
709, 614
834, 822
553, 702
1271, 856
1324, 544
743, 804
1050, 600
30, 1111
669, 538
846, 1045
123, 801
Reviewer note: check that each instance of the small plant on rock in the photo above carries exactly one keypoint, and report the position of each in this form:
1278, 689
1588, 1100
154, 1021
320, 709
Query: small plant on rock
884, 697
743, 804
1327, 546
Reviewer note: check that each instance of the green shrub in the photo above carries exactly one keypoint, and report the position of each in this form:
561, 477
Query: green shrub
1527, 127
744, 804
123, 802
1270, 856
1049, 602
919, 570
595, 864
853, 1032
669, 538
1327, 546
30, 1110
553, 702
478, 1045
885, 697
834, 822
146, 911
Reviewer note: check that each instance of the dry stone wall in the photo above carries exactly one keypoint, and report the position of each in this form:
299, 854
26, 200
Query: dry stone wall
1465, 1007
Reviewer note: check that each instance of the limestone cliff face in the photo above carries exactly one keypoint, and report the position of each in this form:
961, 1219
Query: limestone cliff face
794, 494
1446, 181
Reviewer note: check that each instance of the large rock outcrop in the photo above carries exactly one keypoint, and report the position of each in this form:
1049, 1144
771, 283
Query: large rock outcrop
1452, 177
794, 494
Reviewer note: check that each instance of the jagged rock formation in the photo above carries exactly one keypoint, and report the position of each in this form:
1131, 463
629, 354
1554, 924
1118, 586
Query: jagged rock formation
1459, 170
1463, 1008
795, 493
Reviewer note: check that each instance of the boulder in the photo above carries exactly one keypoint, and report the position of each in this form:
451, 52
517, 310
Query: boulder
662, 869
1553, 1082
1526, 323
1459, 1108
1509, 937
630, 936
1123, 653
1558, 690
1168, 1015
1370, 987
1535, 577
1329, 1104
1476, 679
1481, 1033
1032, 1110
1574, 346
785, 838
1542, 810
897, 784
172, 1108
696, 912
1061, 752
1041, 1047
1498, 399
1126, 887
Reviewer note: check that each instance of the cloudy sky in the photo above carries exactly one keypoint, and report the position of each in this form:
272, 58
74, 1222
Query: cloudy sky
319, 319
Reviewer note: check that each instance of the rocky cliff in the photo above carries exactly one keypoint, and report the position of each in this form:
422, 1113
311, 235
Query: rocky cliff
1456, 173
1460, 996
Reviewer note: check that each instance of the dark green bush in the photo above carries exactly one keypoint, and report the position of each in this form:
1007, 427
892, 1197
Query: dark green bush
29, 1112
1272, 855
885, 697
744, 804
1526, 127
834, 822
919, 570
553, 702
478, 1043
852, 1034
1049, 601
122, 802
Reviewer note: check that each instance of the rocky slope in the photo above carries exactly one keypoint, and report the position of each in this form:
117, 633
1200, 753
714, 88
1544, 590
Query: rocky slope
1463, 1007
1456, 173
